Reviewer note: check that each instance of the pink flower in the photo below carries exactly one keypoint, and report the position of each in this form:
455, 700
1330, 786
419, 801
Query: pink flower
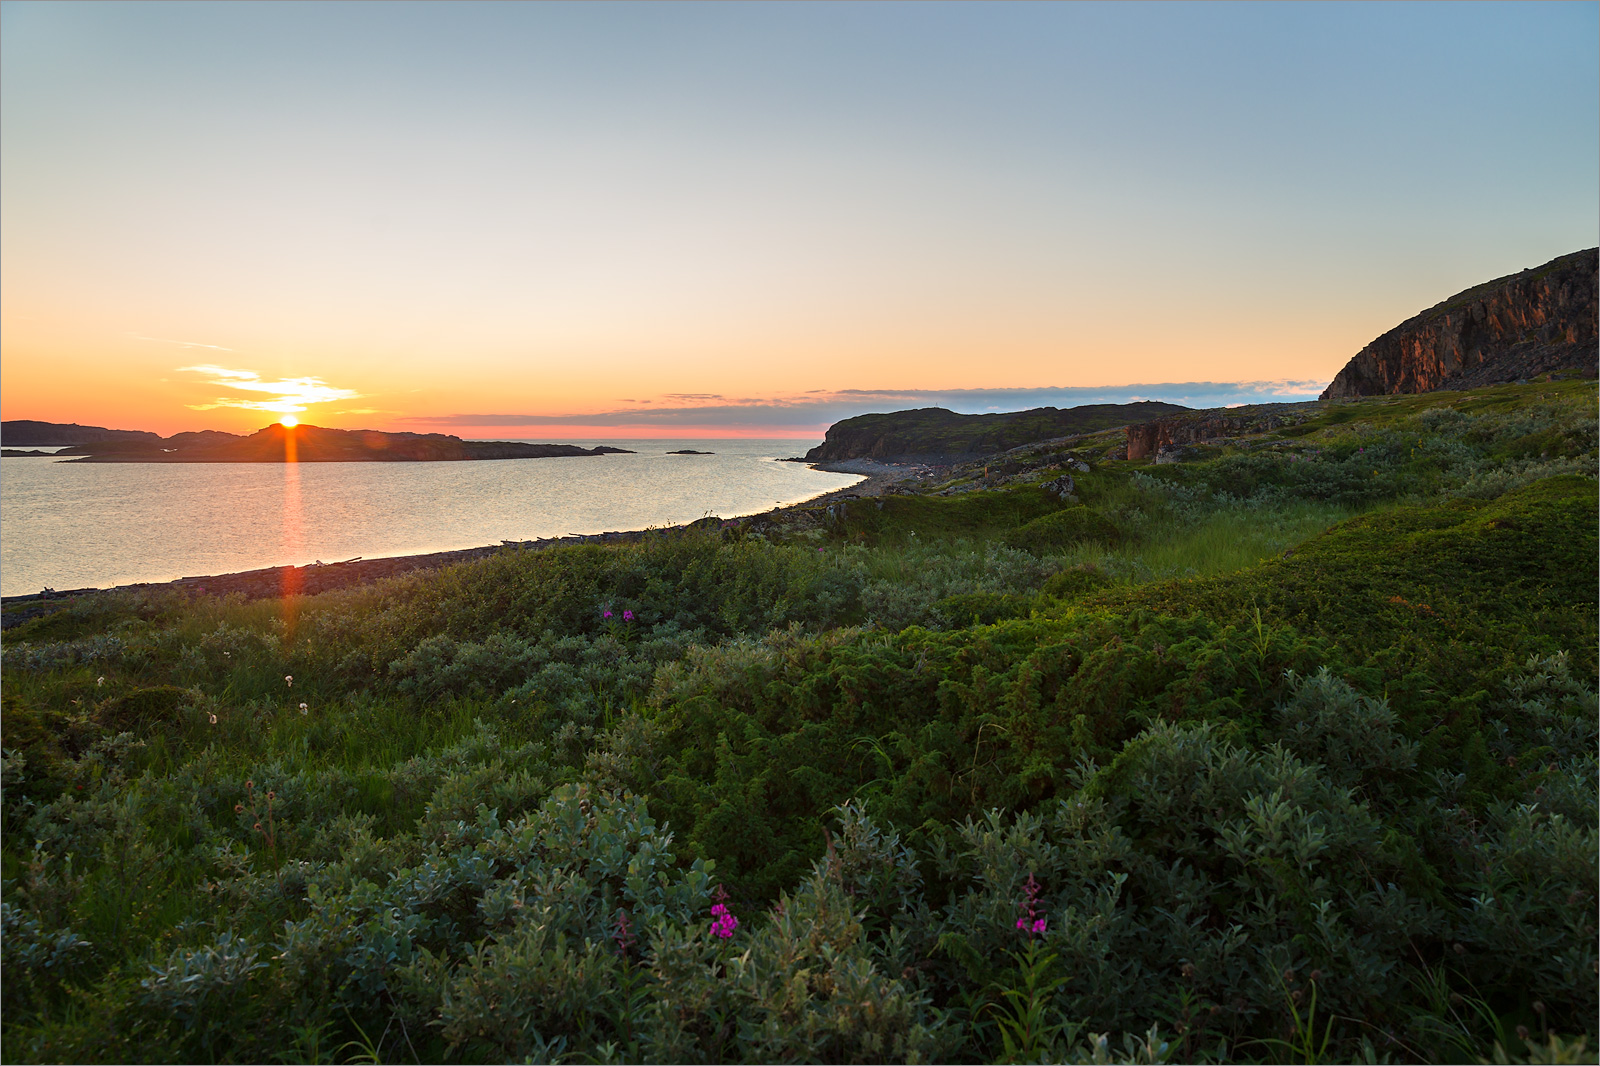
725, 923
627, 616
622, 932
607, 614
1030, 922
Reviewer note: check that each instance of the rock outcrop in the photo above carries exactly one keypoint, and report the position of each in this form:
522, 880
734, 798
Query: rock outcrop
1151, 439
1508, 329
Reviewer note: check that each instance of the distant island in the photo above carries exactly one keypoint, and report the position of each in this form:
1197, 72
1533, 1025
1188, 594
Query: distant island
27, 433
274, 444
690, 451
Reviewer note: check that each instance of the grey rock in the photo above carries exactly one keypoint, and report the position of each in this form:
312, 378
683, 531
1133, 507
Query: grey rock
1062, 487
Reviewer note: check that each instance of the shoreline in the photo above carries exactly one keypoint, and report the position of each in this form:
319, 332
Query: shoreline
313, 578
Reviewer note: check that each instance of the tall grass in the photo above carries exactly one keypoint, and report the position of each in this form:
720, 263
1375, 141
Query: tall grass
1221, 542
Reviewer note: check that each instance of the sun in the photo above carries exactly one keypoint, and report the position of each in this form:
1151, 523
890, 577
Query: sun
288, 421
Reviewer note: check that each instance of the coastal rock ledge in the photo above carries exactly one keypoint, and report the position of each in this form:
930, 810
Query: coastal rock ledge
1540, 320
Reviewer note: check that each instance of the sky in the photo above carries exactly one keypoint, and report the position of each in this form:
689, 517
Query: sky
602, 220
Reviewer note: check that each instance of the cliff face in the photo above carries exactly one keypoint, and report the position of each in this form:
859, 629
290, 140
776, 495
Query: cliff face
1513, 327
935, 435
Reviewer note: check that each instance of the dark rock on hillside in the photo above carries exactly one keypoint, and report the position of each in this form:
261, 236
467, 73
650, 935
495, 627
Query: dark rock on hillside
25, 432
937, 436
1173, 432
1538, 321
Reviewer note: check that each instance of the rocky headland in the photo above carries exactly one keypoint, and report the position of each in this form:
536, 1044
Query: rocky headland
1538, 321
935, 436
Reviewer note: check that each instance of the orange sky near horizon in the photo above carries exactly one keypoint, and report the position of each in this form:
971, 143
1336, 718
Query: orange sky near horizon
428, 216
67, 370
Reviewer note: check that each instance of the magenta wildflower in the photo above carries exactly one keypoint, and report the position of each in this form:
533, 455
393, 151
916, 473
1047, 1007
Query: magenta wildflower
627, 616
622, 932
725, 923
1030, 922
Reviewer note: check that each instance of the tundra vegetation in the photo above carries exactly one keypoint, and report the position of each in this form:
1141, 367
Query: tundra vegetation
1286, 752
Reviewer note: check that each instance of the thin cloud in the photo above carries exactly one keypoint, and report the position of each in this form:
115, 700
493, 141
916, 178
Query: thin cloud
181, 344
285, 396
819, 407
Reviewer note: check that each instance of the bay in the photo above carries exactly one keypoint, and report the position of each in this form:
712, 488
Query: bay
79, 525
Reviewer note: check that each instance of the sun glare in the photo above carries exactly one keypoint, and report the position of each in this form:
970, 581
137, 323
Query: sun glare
289, 420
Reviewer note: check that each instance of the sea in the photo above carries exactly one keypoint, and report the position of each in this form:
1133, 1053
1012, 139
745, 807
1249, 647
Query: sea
66, 525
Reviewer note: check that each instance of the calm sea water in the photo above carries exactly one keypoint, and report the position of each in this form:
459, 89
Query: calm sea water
77, 525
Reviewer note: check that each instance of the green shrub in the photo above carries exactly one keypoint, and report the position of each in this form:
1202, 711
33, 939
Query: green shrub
1076, 581
985, 608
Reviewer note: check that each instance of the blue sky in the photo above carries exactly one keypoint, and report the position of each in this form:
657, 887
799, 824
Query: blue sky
449, 211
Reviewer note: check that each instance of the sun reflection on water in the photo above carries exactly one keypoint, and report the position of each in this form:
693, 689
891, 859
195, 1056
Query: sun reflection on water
293, 535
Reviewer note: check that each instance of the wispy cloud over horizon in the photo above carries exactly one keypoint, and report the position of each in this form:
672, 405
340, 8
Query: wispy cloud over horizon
286, 395
820, 407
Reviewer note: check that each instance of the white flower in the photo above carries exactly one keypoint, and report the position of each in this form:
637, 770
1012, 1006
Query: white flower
304, 708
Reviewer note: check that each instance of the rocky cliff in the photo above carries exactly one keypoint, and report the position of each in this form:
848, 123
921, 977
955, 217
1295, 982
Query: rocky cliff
934, 435
1540, 320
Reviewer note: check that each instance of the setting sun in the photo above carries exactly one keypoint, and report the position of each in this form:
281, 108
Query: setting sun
289, 421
